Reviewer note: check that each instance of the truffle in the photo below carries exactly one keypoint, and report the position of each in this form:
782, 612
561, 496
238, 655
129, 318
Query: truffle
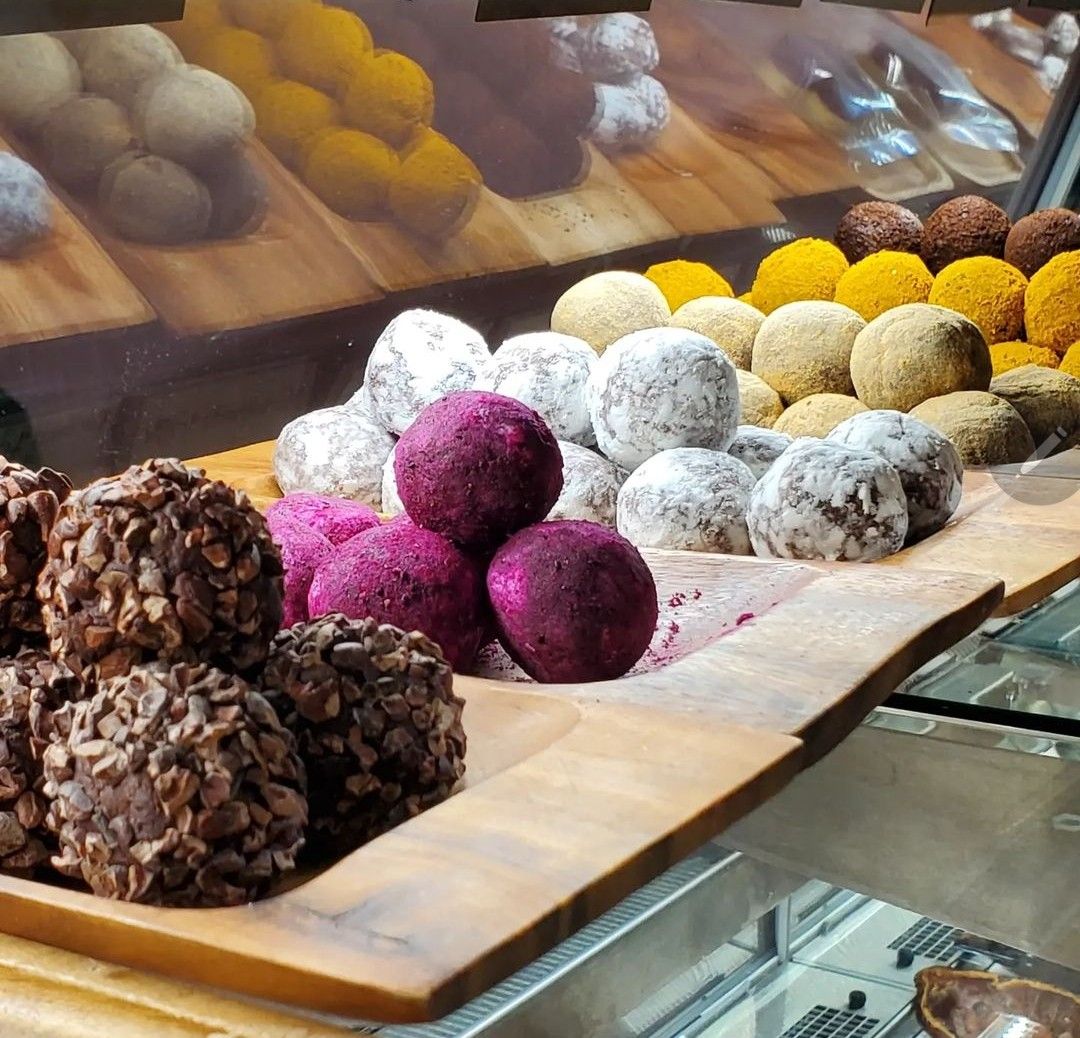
118, 60
807, 268
412, 578
82, 137
817, 415
870, 227
150, 199
389, 96
242, 57
987, 291
558, 106
590, 486
336, 518
239, 196
917, 351
966, 226
759, 403
683, 280
882, 281
609, 47
1048, 401
476, 466
1038, 237
351, 172
290, 117
1004, 356
201, 17
804, 349
824, 500
377, 723
323, 46
730, 323
1052, 303
662, 388
332, 451
631, 114
421, 356
159, 563
929, 466
573, 601
175, 786
436, 188
547, 372
263, 17
606, 306
687, 499
303, 550
985, 429
26, 208
37, 74
758, 448
1070, 361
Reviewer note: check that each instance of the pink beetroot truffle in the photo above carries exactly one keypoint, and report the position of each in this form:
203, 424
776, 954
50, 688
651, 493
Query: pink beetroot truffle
335, 518
573, 601
411, 578
476, 466
303, 551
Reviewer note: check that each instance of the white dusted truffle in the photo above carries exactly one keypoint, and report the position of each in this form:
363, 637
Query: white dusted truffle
82, 137
662, 388
335, 452
630, 114
606, 306
730, 323
37, 74
757, 448
690, 499
609, 47
421, 356
823, 500
150, 199
117, 61
548, 372
391, 499
590, 486
26, 213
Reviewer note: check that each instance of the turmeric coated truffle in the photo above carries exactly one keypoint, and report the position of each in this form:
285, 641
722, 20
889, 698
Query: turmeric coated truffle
871, 227
323, 46
682, 280
1070, 362
606, 306
436, 188
1004, 356
985, 429
351, 172
731, 323
1048, 401
1052, 303
966, 226
807, 268
290, 116
242, 57
389, 96
1038, 237
817, 415
883, 280
266, 17
985, 290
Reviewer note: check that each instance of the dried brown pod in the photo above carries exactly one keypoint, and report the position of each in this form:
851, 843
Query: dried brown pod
159, 563
29, 502
175, 786
378, 724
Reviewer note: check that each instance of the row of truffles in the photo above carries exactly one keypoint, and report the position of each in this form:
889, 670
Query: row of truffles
352, 120
116, 115
162, 739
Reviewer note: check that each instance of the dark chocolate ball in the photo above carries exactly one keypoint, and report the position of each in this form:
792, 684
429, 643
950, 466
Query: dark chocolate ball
871, 227
966, 226
1039, 237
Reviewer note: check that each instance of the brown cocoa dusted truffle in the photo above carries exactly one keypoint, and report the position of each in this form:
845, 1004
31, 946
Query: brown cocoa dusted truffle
966, 226
175, 786
871, 227
29, 502
1038, 237
378, 724
159, 563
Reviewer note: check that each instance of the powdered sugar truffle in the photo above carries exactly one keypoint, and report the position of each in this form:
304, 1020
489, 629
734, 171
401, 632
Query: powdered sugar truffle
690, 499
548, 372
420, 357
590, 486
609, 47
929, 466
661, 388
758, 448
25, 205
630, 114
360, 403
335, 452
391, 499
824, 500
37, 74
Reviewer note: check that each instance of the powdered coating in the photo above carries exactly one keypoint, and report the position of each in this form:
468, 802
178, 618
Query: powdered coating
610, 47
817, 415
630, 114
689, 499
730, 323
303, 551
37, 74
824, 500
336, 518
662, 388
25, 205
758, 448
421, 356
590, 486
759, 403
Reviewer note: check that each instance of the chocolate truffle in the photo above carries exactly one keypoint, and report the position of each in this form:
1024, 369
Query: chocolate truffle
590, 486
150, 199
377, 723
117, 61
757, 448
608, 47
37, 74
239, 196
730, 323
26, 207
1052, 303
159, 563
985, 429
884, 280
1048, 401
604, 307
987, 291
807, 268
559, 106
966, 226
817, 415
631, 114
870, 227
759, 403
336, 518
175, 786
1038, 237
81, 137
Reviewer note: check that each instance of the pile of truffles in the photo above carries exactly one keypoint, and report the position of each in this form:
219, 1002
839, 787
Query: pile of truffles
159, 732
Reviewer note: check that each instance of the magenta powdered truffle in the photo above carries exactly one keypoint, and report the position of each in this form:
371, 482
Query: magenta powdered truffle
303, 551
477, 466
414, 579
573, 601
336, 518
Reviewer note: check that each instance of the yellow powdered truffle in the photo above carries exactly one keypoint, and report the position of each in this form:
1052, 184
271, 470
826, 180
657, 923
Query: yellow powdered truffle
1004, 356
266, 17
1070, 363
435, 191
200, 18
1052, 303
323, 47
807, 268
351, 172
682, 280
240, 56
290, 116
390, 96
985, 290
883, 280
746, 297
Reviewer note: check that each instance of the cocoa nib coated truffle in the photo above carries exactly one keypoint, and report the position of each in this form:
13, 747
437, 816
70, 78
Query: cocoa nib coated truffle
29, 502
159, 563
378, 724
966, 226
1037, 238
175, 786
871, 227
